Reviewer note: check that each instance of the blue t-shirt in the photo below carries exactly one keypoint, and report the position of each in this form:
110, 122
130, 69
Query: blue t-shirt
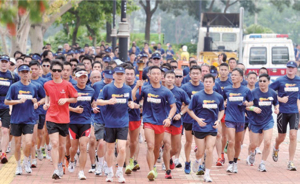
186, 79
40, 94
99, 118
22, 113
41, 81
244, 83
6, 80
73, 82
155, 102
186, 71
116, 116
48, 75
134, 114
217, 88
180, 96
206, 106
191, 90
85, 98
161, 51
224, 84
264, 101
287, 87
257, 85
235, 110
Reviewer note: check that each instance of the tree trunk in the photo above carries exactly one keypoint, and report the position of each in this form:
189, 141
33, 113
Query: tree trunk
211, 6
227, 6
19, 42
108, 32
75, 31
36, 38
147, 27
4, 46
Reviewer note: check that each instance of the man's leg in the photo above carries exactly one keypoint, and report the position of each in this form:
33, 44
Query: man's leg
28, 145
167, 150
219, 142
293, 144
150, 138
134, 135
73, 149
231, 143
157, 145
176, 144
92, 146
188, 145
238, 141
122, 152
83, 152
110, 150
4, 142
62, 146
210, 143
18, 148
54, 139
267, 143
34, 142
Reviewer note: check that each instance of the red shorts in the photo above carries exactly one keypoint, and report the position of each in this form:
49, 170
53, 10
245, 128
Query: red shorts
173, 130
223, 119
158, 129
133, 125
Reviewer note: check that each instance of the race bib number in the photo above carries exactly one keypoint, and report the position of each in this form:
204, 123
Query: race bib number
291, 89
121, 100
4, 83
84, 98
265, 103
210, 106
153, 100
126, 95
236, 99
28, 97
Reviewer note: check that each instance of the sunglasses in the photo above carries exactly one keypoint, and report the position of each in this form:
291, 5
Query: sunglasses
174, 67
56, 70
12, 64
46, 65
156, 59
178, 76
4, 61
264, 81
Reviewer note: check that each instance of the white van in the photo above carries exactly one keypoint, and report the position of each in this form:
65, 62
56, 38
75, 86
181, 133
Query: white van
271, 51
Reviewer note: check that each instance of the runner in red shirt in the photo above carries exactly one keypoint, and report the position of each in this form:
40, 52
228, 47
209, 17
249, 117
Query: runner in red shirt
59, 94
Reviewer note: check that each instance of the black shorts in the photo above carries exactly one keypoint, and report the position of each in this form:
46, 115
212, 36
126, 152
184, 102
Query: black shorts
5, 118
188, 126
202, 135
18, 129
246, 126
41, 121
112, 134
283, 119
61, 128
79, 130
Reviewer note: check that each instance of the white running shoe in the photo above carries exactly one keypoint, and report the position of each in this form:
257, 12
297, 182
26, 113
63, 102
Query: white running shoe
71, 167
99, 169
235, 168
81, 175
8, 150
195, 166
40, 154
33, 163
26, 165
257, 150
252, 158
60, 170
141, 140
119, 175
163, 166
230, 168
262, 167
207, 178
109, 177
92, 169
19, 170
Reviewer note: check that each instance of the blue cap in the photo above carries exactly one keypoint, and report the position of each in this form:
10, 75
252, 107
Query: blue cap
164, 70
36, 57
76, 51
23, 68
81, 51
106, 59
119, 70
156, 56
292, 64
144, 54
214, 72
108, 74
108, 50
4, 58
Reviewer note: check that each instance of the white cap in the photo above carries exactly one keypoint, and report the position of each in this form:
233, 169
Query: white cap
184, 48
12, 60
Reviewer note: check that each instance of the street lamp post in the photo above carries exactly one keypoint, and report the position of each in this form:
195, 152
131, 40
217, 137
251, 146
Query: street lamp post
123, 33
114, 30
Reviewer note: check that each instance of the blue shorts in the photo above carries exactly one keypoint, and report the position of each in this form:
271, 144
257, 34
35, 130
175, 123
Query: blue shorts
239, 127
258, 129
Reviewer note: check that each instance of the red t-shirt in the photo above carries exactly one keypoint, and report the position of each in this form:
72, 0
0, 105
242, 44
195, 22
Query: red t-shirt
59, 113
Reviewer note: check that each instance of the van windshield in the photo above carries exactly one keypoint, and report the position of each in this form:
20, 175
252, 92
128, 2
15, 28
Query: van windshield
258, 56
280, 55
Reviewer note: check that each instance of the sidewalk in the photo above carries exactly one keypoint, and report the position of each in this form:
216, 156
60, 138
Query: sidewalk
276, 172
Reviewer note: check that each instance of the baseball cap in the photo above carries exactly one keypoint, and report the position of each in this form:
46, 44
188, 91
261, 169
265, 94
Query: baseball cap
81, 73
108, 74
144, 55
164, 70
106, 59
108, 50
292, 64
23, 68
5, 58
156, 56
119, 70
12, 60
214, 72
36, 57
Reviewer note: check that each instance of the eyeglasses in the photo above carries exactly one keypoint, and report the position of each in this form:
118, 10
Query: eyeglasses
264, 81
73, 65
46, 65
56, 70
178, 76
4, 61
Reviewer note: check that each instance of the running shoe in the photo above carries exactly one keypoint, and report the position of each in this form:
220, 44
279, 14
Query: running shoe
275, 155
67, 158
19, 170
252, 158
163, 166
55, 175
33, 163
39, 154
207, 178
160, 155
8, 150
151, 175
105, 168
177, 163
155, 172
187, 168
109, 177
195, 166
235, 168
172, 165
291, 166
262, 167
230, 168
99, 169
44, 153
128, 169
222, 158
136, 166
141, 140
93, 168
119, 175
4, 158
61, 170
200, 170
71, 167
219, 162
225, 149
257, 150
247, 160
26, 165
81, 175
168, 174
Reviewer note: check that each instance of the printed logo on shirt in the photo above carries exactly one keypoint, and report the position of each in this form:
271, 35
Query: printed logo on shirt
25, 94
153, 98
5, 82
193, 92
117, 95
290, 88
234, 97
265, 101
209, 104
62, 91
121, 100
84, 97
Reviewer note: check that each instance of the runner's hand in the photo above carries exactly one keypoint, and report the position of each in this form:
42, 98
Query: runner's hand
131, 104
79, 110
34, 100
246, 103
35, 105
22, 100
112, 101
217, 123
257, 110
0, 123
96, 110
201, 122
167, 122
285, 99
46, 106
177, 117
139, 83
62, 101
276, 111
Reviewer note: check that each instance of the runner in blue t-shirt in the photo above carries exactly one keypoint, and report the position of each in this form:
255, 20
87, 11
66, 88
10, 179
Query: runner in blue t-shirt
23, 97
207, 109
190, 88
261, 119
80, 121
238, 98
155, 115
288, 97
116, 97
172, 137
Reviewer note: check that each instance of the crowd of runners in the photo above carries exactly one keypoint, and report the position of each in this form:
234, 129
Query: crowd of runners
78, 103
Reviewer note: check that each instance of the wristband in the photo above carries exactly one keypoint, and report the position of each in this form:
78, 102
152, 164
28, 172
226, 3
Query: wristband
251, 108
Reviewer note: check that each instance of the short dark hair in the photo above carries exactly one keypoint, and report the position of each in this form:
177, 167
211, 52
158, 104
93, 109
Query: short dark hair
17, 52
251, 73
34, 62
46, 60
167, 66
87, 58
61, 57
173, 61
153, 67
196, 67
207, 76
170, 72
232, 58
97, 62
67, 63
45, 53
265, 75
73, 60
263, 68
98, 56
193, 62
239, 70
130, 68
112, 63
240, 64
224, 64
19, 58
56, 62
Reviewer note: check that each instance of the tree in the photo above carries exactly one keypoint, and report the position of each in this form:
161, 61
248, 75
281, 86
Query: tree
254, 28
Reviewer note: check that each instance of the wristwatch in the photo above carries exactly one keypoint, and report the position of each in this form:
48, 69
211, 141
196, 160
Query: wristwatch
181, 114
170, 118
